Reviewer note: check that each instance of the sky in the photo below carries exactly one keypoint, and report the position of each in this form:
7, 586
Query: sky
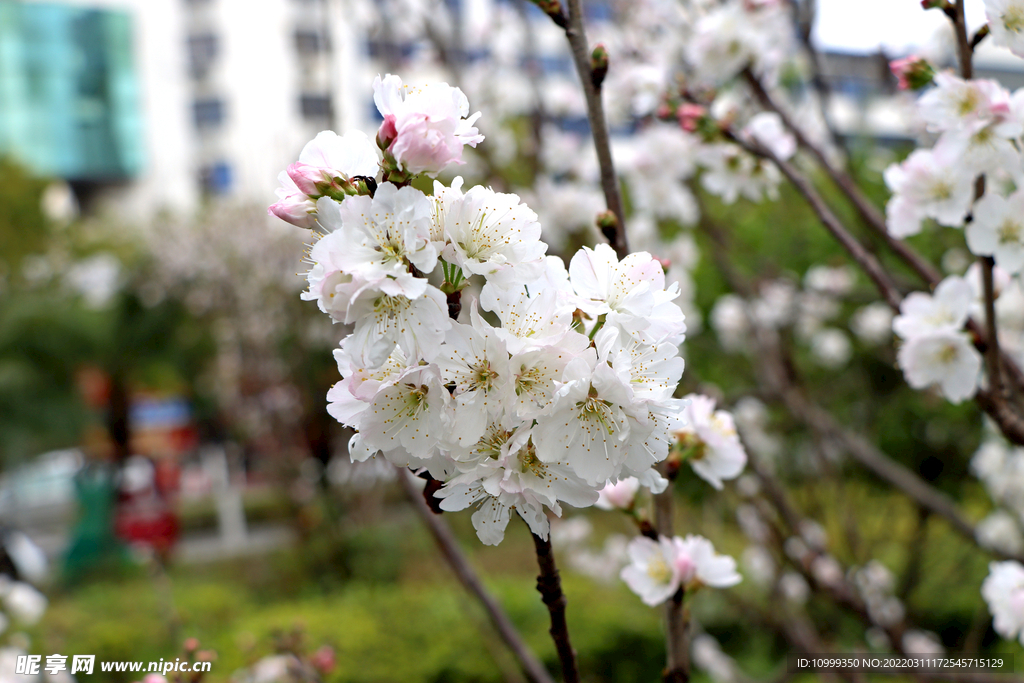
898, 26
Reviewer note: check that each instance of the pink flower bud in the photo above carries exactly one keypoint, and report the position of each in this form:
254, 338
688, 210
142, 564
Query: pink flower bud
690, 115
306, 178
912, 73
191, 644
297, 209
387, 132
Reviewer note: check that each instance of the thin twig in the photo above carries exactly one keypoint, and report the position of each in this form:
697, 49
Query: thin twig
867, 261
598, 124
677, 642
869, 213
549, 585
464, 572
874, 218
778, 382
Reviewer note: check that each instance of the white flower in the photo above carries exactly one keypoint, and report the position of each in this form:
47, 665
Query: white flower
1006, 21
1003, 590
24, 602
652, 572
716, 451
588, 424
325, 167
873, 323
944, 311
731, 321
1000, 531
335, 290
383, 320
532, 316
659, 568
942, 358
831, 348
998, 230
489, 233
981, 149
475, 361
954, 103
381, 235
410, 413
700, 565
508, 475
730, 172
928, 184
767, 129
631, 293
424, 128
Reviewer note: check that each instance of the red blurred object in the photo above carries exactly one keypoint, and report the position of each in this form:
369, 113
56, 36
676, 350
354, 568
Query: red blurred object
144, 515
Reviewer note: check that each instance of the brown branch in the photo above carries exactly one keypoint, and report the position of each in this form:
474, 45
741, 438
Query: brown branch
449, 547
867, 261
549, 585
778, 382
963, 44
677, 627
874, 218
869, 213
598, 124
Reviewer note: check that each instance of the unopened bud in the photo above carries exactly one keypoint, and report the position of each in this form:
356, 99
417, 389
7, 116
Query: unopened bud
690, 116
608, 223
912, 73
552, 8
598, 65
387, 132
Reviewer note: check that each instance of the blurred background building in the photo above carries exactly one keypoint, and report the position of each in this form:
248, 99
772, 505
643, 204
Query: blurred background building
148, 106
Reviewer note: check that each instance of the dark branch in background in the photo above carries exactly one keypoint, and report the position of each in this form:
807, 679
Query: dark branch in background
449, 547
870, 213
584, 58
776, 376
867, 261
549, 585
1009, 420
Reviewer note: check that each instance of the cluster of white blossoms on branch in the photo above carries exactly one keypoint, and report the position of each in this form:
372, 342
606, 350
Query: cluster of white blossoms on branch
549, 385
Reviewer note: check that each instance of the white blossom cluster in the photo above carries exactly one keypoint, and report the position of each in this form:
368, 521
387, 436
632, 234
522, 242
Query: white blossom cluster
1003, 590
551, 384
935, 349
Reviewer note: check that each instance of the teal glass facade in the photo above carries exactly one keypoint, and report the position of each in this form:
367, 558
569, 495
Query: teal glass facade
69, 98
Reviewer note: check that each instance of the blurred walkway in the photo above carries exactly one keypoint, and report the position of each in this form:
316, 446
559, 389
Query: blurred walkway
194, 548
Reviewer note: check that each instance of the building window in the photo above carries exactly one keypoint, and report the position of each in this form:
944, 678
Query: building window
310, 42
315, 106
215, 178
202, 50
208, 113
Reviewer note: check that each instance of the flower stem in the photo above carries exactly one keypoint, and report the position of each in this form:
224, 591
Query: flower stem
549, 585
467, 576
